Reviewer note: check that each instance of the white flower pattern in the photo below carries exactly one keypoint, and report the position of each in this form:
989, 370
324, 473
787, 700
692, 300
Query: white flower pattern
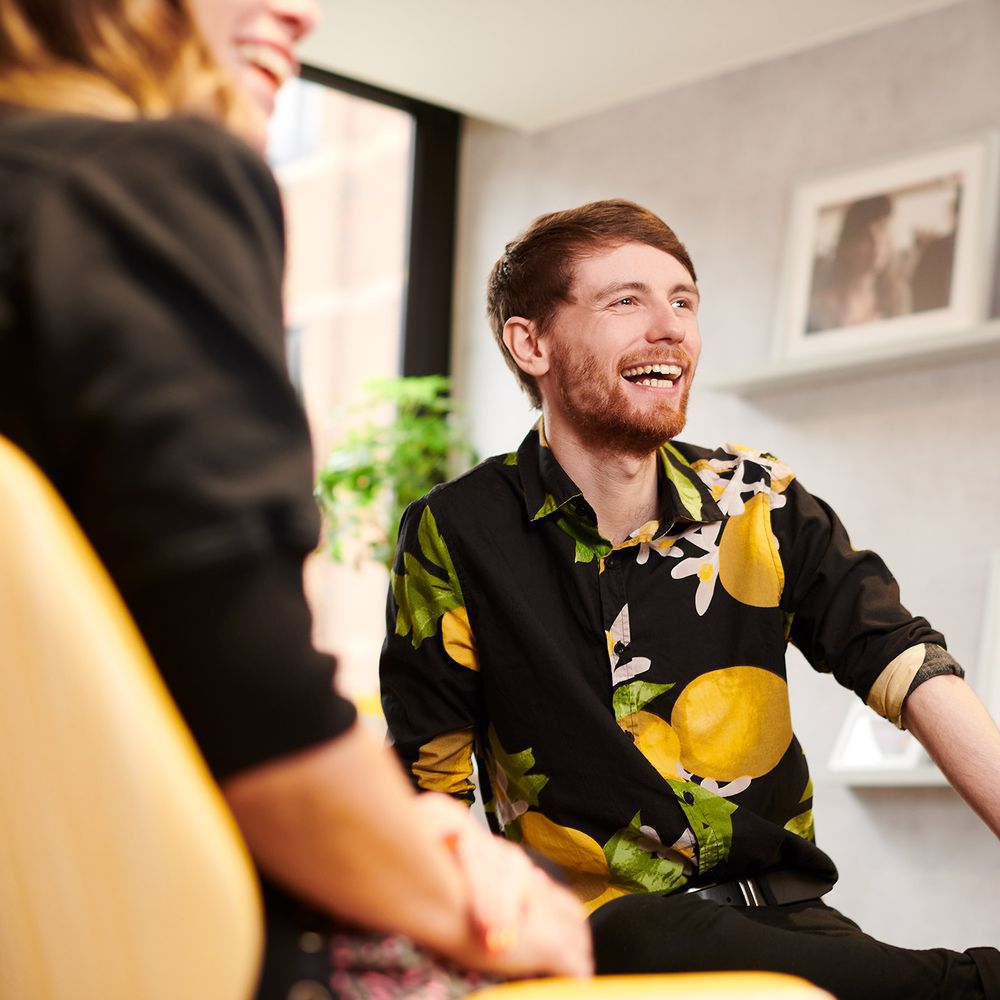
725, 479
705, 567
620, 631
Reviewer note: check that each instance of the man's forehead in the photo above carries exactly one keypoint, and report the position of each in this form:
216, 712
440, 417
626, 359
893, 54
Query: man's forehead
616, 264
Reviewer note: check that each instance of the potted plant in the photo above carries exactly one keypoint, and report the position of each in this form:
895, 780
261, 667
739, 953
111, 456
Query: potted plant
402, 439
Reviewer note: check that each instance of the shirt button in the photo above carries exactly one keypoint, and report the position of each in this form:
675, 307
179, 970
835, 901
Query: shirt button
619, 648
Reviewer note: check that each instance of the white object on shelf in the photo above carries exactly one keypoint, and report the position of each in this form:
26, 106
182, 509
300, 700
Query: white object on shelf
869, 751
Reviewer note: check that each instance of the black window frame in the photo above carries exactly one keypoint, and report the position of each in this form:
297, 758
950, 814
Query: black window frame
425, 347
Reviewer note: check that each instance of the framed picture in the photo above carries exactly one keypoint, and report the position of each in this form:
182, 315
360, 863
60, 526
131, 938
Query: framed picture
886, 255
869, 751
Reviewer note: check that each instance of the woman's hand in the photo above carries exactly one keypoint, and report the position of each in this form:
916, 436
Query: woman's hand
526, 924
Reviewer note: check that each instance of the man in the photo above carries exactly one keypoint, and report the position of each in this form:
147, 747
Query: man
601, 618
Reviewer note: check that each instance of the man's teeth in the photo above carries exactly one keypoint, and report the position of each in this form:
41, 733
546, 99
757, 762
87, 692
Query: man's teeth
269, 59
669, 373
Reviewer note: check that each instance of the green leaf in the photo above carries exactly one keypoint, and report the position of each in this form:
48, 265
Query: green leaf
710, 818
635, 867
422, 596
687, 491
521, 786
590, 543
634, 696
402, 439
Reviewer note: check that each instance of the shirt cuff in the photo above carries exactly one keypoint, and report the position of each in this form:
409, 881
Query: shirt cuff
905, 674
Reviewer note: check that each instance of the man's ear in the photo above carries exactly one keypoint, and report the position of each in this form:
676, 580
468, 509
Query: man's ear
524, 342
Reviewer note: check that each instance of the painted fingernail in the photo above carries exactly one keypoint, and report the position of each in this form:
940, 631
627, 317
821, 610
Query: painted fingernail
498, 941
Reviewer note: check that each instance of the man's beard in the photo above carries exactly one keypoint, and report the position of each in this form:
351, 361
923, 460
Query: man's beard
604, 417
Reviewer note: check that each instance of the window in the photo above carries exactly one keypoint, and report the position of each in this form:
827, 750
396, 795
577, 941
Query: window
368, 181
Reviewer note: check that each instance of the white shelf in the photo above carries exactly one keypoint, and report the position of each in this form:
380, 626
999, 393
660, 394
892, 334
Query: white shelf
819, 368
917, 777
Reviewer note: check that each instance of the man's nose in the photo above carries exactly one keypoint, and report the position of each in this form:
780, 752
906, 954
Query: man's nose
667, 324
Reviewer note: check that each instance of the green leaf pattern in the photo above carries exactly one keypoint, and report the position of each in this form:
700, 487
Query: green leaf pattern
422, 596
635, 696
710, 818
686, 490
634, 863
590, 543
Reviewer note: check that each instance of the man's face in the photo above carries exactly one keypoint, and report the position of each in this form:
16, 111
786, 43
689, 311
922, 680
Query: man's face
622, 353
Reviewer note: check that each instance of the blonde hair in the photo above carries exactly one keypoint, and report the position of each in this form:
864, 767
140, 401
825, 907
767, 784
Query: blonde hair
111, 58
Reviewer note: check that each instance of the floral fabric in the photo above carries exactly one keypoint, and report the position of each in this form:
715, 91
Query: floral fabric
627, 706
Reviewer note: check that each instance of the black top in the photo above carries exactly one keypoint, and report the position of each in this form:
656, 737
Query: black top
142, 368
628, 704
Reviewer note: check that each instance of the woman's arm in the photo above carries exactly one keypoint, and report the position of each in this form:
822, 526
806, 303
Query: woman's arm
340, 825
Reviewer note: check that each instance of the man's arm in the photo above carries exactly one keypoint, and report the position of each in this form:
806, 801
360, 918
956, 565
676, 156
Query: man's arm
429, 669
955, 728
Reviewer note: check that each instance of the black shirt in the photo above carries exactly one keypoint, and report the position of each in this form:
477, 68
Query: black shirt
142, 368
628, 704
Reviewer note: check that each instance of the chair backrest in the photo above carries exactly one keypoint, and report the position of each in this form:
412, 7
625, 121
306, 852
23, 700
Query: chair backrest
122, 873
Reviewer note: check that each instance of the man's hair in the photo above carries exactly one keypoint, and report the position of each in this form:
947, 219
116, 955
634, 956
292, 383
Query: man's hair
535, 273
112, 59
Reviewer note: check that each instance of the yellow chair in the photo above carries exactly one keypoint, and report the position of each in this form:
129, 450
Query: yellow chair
122, 873
675, 986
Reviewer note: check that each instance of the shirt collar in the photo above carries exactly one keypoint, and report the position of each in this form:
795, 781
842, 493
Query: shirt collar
547, 488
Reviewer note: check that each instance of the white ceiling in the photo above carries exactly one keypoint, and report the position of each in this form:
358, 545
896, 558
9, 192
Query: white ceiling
533, 64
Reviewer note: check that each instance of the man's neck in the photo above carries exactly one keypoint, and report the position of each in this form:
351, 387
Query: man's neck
621, 488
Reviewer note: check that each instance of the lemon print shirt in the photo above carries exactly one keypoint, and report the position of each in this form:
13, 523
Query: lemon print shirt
627, 706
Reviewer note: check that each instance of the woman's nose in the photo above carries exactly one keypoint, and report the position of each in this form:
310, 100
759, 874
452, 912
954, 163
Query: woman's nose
301, 16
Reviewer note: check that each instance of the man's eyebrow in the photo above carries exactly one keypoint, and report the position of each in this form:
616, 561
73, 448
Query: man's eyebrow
616, 287
620, 286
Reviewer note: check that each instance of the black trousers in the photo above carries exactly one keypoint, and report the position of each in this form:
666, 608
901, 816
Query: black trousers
644, 933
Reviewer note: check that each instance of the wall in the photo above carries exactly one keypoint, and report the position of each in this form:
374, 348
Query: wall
910, 459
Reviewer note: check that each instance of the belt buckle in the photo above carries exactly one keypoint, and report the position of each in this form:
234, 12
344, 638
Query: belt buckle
752, 895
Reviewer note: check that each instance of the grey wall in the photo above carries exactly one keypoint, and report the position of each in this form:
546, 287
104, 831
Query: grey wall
910, 459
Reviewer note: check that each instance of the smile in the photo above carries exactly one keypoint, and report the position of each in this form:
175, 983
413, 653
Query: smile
268, 59
655, 376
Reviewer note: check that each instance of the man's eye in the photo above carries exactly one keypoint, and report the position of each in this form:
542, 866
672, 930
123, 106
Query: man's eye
626, 301
682, 303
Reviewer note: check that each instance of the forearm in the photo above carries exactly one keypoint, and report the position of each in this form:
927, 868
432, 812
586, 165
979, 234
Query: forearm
955, 728
338, 825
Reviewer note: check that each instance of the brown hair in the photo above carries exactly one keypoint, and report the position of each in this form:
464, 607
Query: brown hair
111, 58
535, 272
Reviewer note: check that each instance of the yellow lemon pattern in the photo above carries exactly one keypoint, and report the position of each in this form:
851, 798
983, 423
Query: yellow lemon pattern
579, 856
656, 739
459, 642
733, 723
444, 764
627, 862
749, 565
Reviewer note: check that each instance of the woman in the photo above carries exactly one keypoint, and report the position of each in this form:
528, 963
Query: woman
141, 366
862, 281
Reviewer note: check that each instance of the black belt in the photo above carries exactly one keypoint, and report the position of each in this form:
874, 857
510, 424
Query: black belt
769, 889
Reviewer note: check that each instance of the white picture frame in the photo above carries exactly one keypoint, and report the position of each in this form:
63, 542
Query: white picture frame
882, 258
869, 751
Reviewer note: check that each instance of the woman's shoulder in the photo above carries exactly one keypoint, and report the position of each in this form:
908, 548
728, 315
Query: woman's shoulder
151, 176
77, 149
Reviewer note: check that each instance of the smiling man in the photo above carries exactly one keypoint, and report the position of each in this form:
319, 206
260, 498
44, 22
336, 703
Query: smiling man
601, 618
